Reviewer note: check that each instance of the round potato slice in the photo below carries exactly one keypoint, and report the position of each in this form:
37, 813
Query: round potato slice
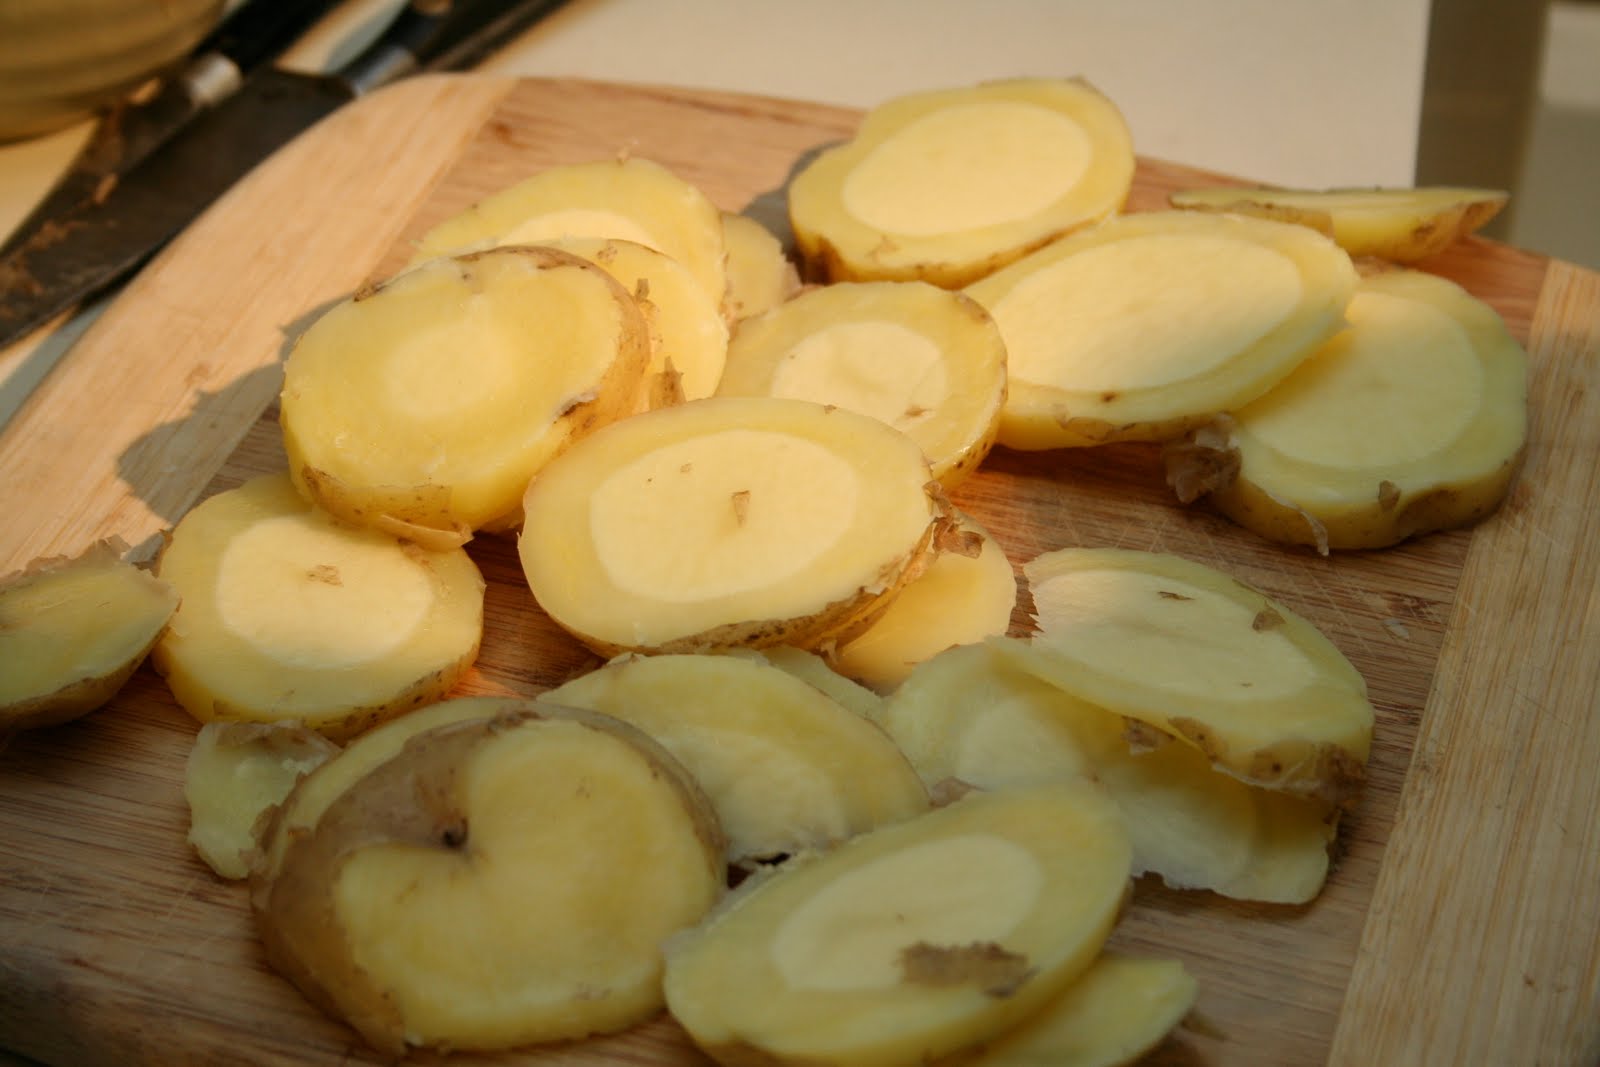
728, 521
760, 274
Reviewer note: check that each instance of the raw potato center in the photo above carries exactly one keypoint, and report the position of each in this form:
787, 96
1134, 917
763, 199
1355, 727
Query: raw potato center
882, 369
1223, 653
680, 524
955, 892
320, 579
1145, 311
1401, 388
579, 222
962, 168
423, 381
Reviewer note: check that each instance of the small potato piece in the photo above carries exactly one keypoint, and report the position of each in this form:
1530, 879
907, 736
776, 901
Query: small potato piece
632, 199
815, 672
1402, 225
72, 632
786, 767
946, 186
1197, 654
289, 615
495, 883
1411, 420
728, 521
760, 275
423, 406
926, 361
1122, 1008
236, 774
909, 942
964, 596
1151, 324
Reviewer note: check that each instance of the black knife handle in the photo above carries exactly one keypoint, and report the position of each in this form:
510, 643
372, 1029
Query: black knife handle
422, 30
258, 30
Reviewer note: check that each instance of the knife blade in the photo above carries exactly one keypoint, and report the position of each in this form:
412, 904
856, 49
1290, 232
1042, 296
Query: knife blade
251, 35
109, 238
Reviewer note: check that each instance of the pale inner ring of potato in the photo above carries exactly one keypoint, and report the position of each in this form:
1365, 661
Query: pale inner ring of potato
1144, 311
1400, 386
965, 167
450, 365
852, 934
1126, 624
309, 594
680, 524
882, 369
578, 222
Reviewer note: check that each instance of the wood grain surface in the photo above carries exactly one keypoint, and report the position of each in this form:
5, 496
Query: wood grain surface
1461, 924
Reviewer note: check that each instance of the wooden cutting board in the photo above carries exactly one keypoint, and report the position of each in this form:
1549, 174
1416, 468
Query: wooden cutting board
1460, 925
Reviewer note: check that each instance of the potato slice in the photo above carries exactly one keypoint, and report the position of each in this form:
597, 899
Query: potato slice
1148, 325
926, 361
1412, 420
1403, 225
688, 336
786, 767
423, 406
728, 521
812, 669
629, 198
236, 774
1195, 653
975, 715
909, 942
289, 615
964, 596
72, 632
497, 882
760, 275
946, 186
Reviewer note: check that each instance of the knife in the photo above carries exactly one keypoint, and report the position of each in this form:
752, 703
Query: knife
109, 238
254, 33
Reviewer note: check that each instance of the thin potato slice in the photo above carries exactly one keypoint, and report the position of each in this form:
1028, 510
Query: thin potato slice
236, 774
289, 615
964, 596
786, 767
946, 186
760, 275
423, 406
1151, 324
1403, 225
728, 521
72, 632
1411, 420
495, 883
1118, 1011
975, 715
909, 942
926, 361
812, 669
1197, 654
633, 199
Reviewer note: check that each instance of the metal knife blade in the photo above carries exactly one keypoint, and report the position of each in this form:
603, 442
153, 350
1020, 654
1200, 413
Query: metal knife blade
110, 238
253, 34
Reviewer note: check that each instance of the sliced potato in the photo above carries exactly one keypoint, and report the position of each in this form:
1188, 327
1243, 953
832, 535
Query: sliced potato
1411, 420
236, 774
1399, 224
909, 942
289, 615
497, 882
1151, 324
423, 406
629, 198
1197, 654
963, 596
926, 361
786, 767
975, 715
948, 185
760, 275
812, 669
1119, 1010
72, 632
728, 521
